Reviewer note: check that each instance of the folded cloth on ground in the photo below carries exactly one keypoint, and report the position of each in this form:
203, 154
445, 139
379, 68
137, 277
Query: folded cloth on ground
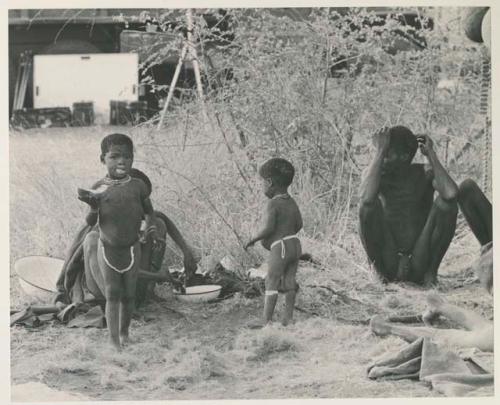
74, 315
446, 372
25, 317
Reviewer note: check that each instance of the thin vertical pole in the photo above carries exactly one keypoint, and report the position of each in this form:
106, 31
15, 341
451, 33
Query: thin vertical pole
172, 85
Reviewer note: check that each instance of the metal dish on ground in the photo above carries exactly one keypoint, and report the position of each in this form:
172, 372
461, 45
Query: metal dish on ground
199, 293
38, 276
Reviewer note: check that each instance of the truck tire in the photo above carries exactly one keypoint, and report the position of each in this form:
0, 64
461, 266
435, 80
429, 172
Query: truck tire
486, 30
472, 21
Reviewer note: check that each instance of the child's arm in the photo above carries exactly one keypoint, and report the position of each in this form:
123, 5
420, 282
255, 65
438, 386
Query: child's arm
269, 225
93, 201
150, 217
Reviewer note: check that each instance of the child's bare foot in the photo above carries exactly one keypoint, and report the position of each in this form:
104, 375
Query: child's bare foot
379, 326
286, 322
257, 325
115, 345
125, 340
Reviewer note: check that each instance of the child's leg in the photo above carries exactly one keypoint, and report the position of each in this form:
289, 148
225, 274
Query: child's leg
275, 272
290, 286
127, 303
112, 292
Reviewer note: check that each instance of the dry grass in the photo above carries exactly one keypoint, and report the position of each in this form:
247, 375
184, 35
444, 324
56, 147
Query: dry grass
205, 352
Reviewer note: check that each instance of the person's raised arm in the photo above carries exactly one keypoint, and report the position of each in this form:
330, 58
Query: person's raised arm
268, 225
371, 182
442, 182
174, 233
88, 197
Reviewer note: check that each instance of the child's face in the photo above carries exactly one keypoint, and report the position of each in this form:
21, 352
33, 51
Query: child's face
118, 160
267, 187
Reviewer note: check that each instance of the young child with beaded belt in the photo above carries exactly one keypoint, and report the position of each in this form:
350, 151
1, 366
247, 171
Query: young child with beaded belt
120, 202
282, 220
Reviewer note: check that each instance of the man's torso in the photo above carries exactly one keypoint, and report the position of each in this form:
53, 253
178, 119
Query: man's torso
407, 202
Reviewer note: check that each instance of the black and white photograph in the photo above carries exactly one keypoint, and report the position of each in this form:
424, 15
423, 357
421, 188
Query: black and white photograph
249, 203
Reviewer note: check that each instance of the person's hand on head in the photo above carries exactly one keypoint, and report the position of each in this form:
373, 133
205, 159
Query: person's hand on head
425, 143
381, 139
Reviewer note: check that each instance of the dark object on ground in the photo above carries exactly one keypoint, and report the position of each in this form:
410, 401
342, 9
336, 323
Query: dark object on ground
126, 113
83, 114
41, 118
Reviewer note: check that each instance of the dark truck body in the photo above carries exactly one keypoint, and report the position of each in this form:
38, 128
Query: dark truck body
65, 31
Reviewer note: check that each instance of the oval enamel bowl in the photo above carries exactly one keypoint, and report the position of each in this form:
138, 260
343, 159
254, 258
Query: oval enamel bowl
199, 293
38, 275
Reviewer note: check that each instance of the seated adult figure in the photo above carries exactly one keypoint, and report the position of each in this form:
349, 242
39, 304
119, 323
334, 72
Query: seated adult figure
404, 229
152, 254
478, 213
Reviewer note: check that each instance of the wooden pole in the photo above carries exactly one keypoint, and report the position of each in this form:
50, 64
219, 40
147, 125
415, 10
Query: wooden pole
18, 82
194, 59
26, 76
188, 50
172, 85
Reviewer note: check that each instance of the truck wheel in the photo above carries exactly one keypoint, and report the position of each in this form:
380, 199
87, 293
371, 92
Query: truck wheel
472, 21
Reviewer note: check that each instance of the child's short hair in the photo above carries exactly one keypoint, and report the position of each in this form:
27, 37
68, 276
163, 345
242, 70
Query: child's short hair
136, 173
403, 140
116, 139
280, 171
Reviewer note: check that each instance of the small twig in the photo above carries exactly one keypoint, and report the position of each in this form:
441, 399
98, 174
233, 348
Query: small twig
344, 297
406, 318
67, 22
200, 189
306, 311
231, 152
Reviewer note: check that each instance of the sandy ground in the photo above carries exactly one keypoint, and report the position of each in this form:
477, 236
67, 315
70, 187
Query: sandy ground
204, 351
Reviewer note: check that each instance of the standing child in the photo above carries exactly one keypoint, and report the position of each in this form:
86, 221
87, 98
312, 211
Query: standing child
282, 221
120, 202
